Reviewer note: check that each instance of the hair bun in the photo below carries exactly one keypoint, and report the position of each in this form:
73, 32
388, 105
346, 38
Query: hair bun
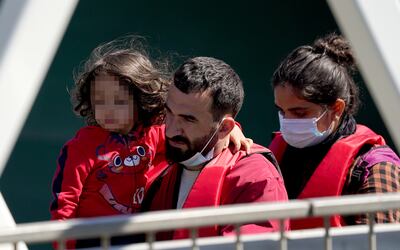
337, 48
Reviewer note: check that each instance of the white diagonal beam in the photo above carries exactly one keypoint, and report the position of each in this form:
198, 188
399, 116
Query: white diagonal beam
373, 28
30, 32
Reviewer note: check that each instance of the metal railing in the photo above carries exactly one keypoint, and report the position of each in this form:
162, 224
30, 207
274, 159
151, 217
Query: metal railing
152, 222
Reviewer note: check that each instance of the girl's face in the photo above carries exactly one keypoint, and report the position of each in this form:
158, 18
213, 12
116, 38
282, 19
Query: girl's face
112, 103
292, 107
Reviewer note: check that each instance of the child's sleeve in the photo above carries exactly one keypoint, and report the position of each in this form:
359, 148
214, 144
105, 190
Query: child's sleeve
156, 139
73, 167
161, 140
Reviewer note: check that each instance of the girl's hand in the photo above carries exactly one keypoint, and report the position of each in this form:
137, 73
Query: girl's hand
239, 141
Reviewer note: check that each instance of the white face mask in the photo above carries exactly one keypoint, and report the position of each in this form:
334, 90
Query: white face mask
301, 133
198, 158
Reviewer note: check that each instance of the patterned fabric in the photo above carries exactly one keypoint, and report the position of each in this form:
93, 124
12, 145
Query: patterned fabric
101, 173
251, 179
92, 166
382, 178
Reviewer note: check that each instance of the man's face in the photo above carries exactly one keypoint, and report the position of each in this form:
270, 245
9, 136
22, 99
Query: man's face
189, 124
112, 103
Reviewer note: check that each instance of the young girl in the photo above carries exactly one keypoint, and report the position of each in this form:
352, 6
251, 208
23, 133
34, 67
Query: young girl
101, 171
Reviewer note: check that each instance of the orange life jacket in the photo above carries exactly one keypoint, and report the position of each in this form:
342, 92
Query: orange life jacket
205, 192
329, 177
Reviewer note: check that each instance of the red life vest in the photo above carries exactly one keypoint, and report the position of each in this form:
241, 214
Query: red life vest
329, 177
206, 191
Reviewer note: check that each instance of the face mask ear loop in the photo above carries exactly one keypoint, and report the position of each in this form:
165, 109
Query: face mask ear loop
215, 132
322, 115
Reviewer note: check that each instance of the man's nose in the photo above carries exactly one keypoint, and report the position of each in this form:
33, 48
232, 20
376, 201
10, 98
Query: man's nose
172, 127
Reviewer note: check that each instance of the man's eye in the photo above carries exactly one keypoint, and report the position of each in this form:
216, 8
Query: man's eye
189, 119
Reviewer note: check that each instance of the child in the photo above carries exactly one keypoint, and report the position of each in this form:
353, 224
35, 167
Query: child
101, 171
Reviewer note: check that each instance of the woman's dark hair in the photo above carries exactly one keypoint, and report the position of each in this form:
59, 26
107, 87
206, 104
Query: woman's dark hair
321, 73
128, 59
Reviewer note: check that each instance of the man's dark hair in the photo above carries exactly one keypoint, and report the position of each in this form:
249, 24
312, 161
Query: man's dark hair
202, 74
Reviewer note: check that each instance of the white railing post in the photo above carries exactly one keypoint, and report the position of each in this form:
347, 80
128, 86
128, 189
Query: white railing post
105, 242
194, 235
283, 239
238, 243
371, 232
150, 238
328, 238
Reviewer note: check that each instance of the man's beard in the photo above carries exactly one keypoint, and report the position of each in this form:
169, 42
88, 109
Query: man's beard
176, 155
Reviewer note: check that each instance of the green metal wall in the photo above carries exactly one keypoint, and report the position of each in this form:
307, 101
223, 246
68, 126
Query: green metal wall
252, 36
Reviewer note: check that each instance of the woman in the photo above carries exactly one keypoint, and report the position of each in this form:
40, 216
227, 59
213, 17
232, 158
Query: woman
320, 148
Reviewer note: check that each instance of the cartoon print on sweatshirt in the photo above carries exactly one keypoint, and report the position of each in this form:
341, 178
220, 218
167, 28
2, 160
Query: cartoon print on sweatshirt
124, 161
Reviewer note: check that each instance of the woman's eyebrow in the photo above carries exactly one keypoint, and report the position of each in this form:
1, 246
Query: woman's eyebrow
292, 109
297, 109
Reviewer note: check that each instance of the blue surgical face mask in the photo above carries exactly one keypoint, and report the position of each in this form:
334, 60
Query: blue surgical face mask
198, 158
301, 133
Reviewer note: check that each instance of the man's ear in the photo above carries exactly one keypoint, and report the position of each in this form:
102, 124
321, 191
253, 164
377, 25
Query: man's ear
227, 124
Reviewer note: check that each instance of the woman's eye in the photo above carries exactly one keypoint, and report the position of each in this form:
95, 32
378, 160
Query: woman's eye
300, 114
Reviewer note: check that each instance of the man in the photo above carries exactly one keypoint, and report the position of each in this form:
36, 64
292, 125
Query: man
202, 103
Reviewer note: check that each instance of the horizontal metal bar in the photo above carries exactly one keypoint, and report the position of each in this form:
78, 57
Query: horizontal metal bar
153, 221
198, 217
298, 235
353, 204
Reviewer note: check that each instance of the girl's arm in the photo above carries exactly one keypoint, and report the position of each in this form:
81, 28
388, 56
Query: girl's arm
72, 170
238, 140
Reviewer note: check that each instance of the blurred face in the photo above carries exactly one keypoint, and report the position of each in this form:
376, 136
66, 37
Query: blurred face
112, 103
189, 124
293, 107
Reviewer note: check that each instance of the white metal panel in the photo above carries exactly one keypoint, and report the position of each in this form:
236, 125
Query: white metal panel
30, 32
373, 28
